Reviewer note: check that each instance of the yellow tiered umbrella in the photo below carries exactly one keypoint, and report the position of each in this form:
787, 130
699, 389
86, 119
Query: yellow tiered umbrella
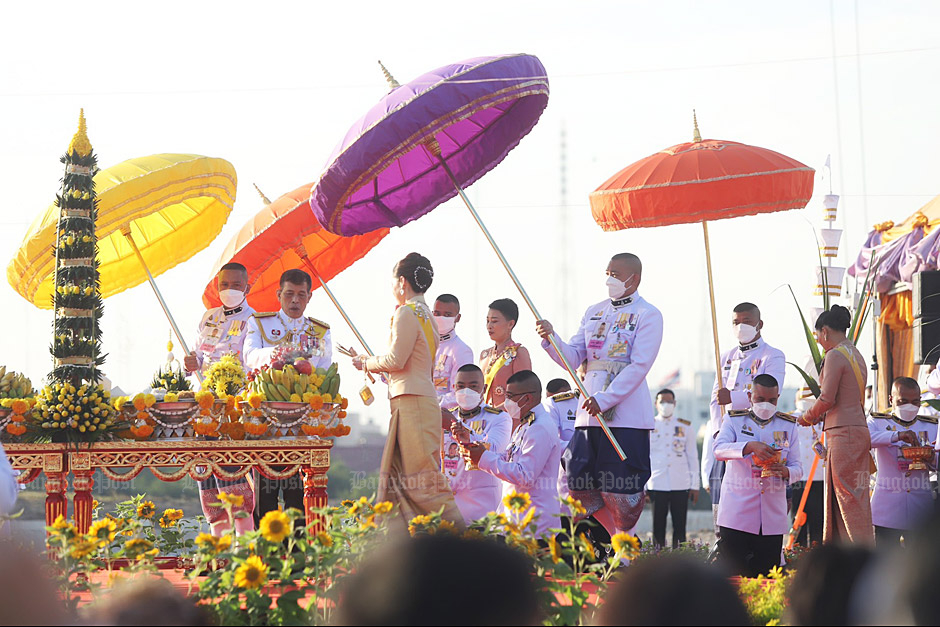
153, 213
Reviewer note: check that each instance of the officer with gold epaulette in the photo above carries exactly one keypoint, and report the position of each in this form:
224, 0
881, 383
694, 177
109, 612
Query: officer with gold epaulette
562, 405
762, 449
287, 328
674, 464
267, 332
473, 422
903, 497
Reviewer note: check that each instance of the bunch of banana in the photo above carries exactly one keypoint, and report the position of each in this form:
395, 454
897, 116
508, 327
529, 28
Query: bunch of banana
287, 384
14, 384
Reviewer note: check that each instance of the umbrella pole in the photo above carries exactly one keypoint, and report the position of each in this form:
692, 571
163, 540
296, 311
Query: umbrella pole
342, 312
711, 298
800, 519
528, 301
156, 291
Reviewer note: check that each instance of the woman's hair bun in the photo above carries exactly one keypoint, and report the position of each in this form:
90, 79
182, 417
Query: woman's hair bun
837, 317
417, 271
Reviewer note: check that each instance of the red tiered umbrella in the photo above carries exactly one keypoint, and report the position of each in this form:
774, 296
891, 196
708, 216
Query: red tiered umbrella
699, 181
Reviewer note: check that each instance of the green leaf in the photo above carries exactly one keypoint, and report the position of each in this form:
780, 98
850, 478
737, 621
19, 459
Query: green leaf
933, 402
810, 338
810, 381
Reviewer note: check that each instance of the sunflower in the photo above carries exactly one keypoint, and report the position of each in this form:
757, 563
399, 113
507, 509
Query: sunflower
146, 510
447, 526
383, 508
103, 531
585, 543
275, 526
324, 538
517, 502
575, 506
234, 500
61, 525
82, 548
418, 523
624, 543
138, 548
169, 518
554, 549
252, 574
368, 523
529, 515
358, 506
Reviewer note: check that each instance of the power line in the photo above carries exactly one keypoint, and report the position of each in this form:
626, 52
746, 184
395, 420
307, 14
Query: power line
554, 77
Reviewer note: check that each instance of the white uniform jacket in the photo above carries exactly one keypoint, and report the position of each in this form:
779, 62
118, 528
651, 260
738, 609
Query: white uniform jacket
530, 464
673, 455
222, 331
452, 353
620, 340
477, 493
739, 366
269, 331
749, 502
902, 497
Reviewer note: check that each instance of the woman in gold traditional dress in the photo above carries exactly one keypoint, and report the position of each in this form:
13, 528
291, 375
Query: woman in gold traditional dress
409, 475
840, 407
506, 357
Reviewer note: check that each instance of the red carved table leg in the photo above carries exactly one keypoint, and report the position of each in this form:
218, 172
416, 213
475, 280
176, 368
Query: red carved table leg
315, 496
57, 482
82, 482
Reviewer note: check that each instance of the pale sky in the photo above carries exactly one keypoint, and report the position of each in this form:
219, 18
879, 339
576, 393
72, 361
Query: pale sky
271, 87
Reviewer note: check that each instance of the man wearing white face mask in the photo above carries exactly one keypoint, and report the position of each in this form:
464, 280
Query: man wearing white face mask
903, 497
477, 493
762, 449
751, 357
223, 329
530, 462
452, 352
674, 462
619, 338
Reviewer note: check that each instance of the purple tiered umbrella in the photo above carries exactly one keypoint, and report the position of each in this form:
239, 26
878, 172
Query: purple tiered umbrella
428, 139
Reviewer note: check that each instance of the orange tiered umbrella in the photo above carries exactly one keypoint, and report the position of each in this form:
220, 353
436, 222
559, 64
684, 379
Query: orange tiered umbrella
283, 235
699, 181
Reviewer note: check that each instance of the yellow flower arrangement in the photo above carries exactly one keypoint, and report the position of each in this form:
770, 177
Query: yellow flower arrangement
624, 544
146, 510
140, 402
171, 397
368, 523
517, 502
103, 531
255, 400
232, 500
225, 376
61, 525
252, 574
205, 399
213, 544
358, 506
275, 526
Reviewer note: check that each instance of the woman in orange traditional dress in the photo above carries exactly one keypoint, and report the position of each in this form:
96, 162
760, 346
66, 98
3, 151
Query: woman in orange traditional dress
507, 357
409, 475
840, 407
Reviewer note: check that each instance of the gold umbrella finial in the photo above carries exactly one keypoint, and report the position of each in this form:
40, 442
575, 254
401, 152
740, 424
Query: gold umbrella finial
80, 143
266, 200
392, 83
696, 136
